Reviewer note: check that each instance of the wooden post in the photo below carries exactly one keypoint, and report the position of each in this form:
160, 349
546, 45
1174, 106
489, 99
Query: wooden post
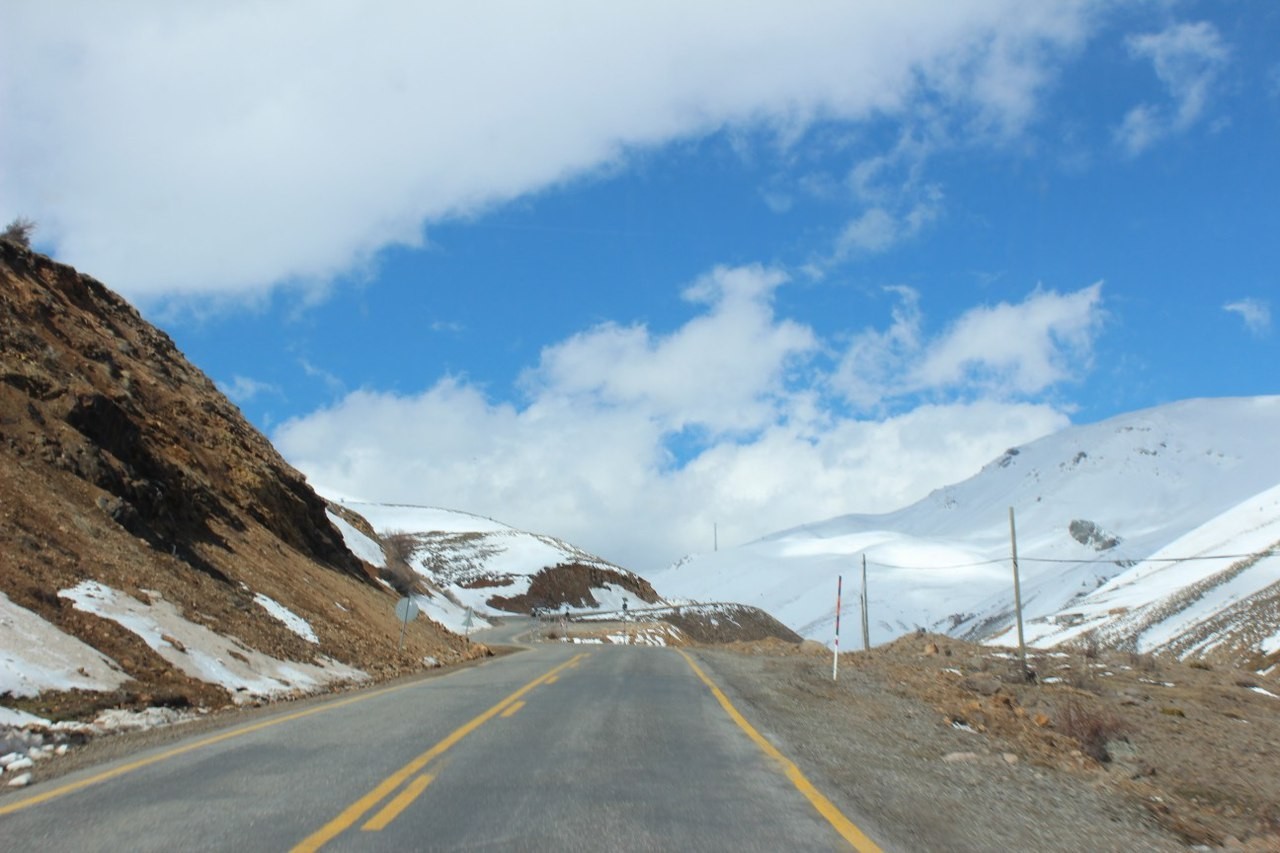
866, 622
1017, 594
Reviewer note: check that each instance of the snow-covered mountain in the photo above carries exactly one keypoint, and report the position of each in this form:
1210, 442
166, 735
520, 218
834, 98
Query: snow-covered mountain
1092, 503
469, 561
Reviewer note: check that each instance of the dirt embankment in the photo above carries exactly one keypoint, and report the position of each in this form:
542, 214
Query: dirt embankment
571, 584
122, 463
948, 747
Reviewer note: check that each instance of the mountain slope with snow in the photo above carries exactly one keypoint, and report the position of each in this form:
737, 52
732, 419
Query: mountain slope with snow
476, 563
1091, 503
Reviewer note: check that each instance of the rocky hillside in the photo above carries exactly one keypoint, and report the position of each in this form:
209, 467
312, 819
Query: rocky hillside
137, 506
468, 563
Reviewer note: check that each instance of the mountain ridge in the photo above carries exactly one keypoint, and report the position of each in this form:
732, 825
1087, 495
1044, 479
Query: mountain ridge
1134, 483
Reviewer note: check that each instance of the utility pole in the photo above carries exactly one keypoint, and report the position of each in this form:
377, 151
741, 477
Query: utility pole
1017, 594
715, 535
866, 622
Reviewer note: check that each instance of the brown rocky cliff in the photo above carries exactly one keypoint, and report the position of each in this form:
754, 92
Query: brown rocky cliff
123, 463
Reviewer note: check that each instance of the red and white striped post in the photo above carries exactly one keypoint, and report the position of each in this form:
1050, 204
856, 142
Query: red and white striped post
835, 656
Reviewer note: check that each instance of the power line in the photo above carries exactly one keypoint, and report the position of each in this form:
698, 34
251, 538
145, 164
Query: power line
1095, 562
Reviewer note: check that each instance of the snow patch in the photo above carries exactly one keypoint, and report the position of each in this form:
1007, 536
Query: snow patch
287, 617
359, 544
35, 656
204, 654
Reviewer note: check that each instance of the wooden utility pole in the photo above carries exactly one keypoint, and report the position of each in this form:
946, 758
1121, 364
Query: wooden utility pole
1017, 594
866, 622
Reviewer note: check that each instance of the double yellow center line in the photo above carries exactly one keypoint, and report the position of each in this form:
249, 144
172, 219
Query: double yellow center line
357, 810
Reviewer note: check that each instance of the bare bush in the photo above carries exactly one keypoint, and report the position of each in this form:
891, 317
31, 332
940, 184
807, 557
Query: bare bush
1142, 662
1091, 727
19, 232
399, 548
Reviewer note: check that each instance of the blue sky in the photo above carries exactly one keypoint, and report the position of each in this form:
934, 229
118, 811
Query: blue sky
621, 272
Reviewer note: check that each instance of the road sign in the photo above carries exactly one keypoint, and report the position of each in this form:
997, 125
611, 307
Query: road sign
467, 622
406, 609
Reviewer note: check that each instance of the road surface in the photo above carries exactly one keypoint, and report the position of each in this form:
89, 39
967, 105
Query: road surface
556, 748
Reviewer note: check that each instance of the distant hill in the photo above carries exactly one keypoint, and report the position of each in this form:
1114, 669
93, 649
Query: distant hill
154, 547
469, 561
1113, 516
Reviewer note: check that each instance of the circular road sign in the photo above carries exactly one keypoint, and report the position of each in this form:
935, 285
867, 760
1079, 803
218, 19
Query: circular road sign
406, 609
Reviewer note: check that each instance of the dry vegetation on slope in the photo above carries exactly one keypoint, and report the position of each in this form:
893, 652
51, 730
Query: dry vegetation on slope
121, 462
1103, 751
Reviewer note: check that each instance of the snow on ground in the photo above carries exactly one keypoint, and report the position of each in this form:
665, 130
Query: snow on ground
287, 617
403, 518
359, 544
204, 654
35, 656
1148, 478
450, 615
1147, 598
472, 558
13, 718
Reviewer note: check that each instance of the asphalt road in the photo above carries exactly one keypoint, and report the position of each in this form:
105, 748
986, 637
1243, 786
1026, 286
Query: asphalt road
556, 748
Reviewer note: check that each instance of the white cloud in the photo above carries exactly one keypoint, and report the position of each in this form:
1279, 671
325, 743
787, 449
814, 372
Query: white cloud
1187, 59
720, 371
591, 454
226, 147
1256, 314
1004, 351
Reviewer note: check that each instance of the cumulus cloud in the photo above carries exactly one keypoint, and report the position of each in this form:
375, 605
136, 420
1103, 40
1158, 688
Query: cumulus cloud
1187, 59
1004, 350
1256, 314
634, 443
229, 147
721, 371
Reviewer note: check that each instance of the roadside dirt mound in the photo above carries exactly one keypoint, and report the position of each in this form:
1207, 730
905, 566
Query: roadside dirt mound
122, 463
731, 623
571, 584
1192, 748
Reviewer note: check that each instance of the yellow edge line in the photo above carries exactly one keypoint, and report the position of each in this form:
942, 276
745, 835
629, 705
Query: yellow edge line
515, 706
825, 807
357, 810
123, 769
399, 803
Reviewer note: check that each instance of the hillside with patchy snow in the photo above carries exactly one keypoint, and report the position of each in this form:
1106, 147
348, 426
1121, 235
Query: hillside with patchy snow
1114, 516
469, 562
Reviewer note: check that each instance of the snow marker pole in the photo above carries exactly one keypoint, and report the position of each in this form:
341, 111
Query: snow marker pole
835, 656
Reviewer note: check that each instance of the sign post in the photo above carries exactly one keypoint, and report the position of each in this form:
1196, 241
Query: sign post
467, 622
406, 609
835, 655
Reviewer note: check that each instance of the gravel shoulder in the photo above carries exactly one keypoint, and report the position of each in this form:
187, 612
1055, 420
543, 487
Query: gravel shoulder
916, 775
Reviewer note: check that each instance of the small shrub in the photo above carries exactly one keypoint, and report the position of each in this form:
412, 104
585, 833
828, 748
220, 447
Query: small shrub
1199, 664
1090, 727
1173, 712
19, 232
1142, 662
1080, 676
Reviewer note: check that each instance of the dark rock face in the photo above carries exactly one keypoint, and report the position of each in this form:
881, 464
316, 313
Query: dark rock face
1088, 533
